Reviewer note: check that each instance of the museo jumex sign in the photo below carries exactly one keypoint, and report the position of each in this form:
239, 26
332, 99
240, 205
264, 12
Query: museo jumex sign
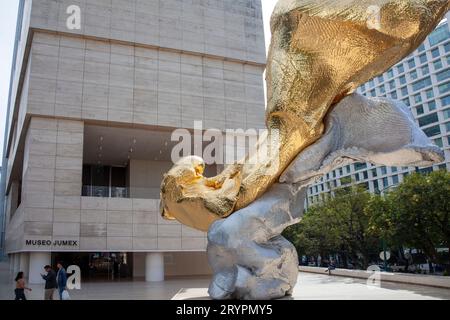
55, 243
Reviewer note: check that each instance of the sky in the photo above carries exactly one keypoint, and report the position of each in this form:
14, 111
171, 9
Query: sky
8, 16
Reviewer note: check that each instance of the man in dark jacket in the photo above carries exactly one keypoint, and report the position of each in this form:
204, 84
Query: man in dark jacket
61, 278
50, 282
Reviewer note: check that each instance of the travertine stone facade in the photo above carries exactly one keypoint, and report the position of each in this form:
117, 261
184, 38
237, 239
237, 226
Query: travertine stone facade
102, 80
224, 28
148, 64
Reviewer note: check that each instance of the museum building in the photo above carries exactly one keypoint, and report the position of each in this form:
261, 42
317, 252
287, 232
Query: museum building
91, 112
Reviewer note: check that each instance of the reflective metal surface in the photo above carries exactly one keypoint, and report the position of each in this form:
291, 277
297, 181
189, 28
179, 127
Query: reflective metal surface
249, 257
321, 51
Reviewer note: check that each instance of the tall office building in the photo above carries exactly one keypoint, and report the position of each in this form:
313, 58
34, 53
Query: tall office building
422, 82
97, 89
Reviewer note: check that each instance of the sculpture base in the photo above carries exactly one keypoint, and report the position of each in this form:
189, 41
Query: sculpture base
249, 257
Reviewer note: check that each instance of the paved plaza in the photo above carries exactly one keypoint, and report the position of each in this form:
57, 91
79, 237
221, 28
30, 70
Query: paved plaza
309, 287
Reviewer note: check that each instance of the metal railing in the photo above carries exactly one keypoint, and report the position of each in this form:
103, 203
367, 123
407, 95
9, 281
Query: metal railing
105, 192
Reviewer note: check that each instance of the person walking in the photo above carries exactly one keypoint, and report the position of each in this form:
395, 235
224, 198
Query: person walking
331, 266
20, 287
61, 279
50, 282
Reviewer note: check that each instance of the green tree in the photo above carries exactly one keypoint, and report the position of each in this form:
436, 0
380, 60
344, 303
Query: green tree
419, 214
338, 225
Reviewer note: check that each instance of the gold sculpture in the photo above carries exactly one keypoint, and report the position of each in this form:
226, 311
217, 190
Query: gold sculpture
320, 52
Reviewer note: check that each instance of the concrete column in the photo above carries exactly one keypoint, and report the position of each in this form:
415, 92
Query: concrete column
11, 262
16, 262
154, 266
24, 263
37, 262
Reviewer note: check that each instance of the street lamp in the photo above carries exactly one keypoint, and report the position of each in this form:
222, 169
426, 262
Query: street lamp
385, 257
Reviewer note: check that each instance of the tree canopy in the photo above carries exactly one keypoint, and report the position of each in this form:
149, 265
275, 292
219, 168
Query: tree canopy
353, 224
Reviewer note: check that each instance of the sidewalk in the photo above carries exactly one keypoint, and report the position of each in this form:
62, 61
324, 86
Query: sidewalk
310, 286
136, 289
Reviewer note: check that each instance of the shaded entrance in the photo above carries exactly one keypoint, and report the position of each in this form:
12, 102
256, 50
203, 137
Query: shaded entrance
105, 266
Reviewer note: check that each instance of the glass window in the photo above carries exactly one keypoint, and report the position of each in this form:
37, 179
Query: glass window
447, 127
385, 182
406, 101
390, 73
426, 170
404, 91
432, 131
360, 165
380, 78
392, 84
441, 33
446, 114
425, 70
413, 74
357, 177
395, 179
382, 90
417, 98
447, 47
362, 87
431, 105
419, 110
394, 95
383, 170
347, 168
422, 83
393, 169
373, 93
437, 64
438, 142
435, 52
104, 181
448, 140
445, 101
411, 63
423, 58
371, 83
429, 93
374, 172
445, 87
375, 185
428, 119
365, 175
443, 75
402, 79
448, 60
421, 47
400, 68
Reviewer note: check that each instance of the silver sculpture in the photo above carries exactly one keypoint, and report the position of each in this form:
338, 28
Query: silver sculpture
249, 257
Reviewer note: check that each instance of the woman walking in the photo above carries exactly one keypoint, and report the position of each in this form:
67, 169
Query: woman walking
20, 287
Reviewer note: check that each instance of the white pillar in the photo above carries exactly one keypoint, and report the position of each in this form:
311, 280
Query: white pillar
11, 262
37, 262
16, 262
24, 264
154, 266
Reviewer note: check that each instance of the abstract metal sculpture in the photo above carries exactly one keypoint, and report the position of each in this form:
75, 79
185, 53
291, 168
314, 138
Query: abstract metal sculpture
320, 52
249, 257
